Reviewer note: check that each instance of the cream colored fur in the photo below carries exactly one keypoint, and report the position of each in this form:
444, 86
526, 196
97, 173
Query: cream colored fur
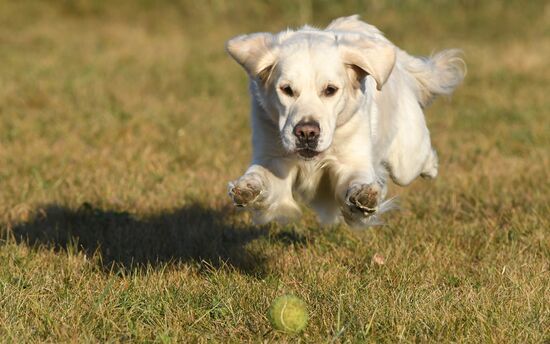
371, 128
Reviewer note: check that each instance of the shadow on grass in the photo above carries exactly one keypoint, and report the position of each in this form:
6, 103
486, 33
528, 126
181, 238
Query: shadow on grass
193, 234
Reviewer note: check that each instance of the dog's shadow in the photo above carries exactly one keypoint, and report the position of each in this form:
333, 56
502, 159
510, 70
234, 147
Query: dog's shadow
193, 234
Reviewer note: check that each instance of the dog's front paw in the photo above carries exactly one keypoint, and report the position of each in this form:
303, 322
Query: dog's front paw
246, 190
361, 205
364, 198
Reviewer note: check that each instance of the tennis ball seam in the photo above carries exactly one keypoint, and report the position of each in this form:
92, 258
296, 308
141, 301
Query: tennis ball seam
282, 315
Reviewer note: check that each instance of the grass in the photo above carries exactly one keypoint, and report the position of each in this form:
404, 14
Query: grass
121, 124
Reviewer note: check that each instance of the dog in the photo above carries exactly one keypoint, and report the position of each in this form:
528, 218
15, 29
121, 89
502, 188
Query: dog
335, 113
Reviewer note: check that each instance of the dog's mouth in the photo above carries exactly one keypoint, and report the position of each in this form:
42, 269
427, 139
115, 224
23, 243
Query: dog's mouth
307, 154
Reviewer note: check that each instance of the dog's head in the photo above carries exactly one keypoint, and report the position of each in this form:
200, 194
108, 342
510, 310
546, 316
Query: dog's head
310, 81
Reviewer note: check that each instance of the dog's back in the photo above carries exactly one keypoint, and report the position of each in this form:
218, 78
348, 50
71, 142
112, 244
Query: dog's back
436, 75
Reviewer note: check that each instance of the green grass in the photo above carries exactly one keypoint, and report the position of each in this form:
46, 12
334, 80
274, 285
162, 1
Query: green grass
120, 126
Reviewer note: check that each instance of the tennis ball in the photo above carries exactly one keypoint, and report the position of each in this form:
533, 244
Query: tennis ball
288, 313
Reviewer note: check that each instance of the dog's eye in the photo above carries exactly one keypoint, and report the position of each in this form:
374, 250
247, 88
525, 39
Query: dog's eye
286, 89
330, 90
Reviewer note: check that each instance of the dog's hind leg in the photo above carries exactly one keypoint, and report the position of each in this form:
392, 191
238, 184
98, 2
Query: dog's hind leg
430, 166
412, 158
410, 153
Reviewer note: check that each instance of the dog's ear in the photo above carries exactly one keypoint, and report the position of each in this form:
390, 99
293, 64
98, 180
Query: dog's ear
254, 52
367, 57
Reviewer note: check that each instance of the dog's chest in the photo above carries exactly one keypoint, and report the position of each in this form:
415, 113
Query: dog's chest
309, 176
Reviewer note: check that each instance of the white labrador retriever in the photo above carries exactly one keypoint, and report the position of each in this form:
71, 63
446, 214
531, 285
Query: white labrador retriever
334, 112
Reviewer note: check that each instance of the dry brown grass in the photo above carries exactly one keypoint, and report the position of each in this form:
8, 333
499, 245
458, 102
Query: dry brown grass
120, 126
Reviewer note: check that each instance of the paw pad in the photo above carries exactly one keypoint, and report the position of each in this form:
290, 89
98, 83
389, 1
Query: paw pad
365, 199
244, 192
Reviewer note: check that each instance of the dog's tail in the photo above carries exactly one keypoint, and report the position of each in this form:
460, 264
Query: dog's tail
436, 75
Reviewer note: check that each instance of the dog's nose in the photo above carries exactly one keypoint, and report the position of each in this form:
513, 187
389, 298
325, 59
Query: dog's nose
307, 132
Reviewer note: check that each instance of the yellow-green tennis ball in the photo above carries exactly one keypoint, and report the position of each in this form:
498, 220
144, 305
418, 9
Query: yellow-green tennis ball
288, 313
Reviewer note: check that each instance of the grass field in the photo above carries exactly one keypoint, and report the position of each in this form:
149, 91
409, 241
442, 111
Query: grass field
120, 126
